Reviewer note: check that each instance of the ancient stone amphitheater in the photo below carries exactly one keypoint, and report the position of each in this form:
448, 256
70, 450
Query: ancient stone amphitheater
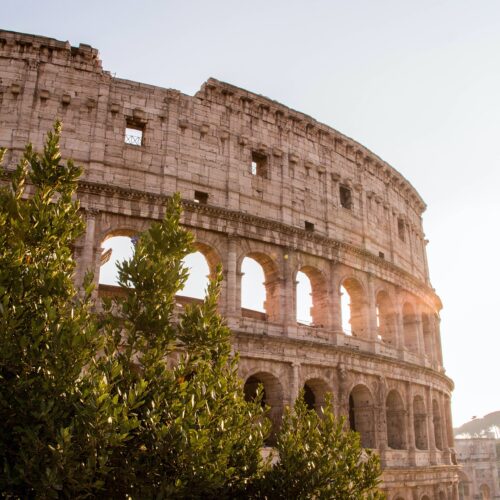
265, 182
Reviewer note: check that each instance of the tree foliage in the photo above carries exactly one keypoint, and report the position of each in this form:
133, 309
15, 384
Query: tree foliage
319, 459
131, 397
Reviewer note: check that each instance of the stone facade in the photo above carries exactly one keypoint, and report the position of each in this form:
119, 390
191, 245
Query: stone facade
267, 182
479, 474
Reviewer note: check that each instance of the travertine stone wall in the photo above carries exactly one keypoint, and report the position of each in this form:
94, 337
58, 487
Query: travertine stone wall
479, 475
262, 180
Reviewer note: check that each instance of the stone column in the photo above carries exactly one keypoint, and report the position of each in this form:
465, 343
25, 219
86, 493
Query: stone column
426, 264
231, 277
372, 310
420, 332
87, 261
410, 429
344, 382
430, 427
381, 410
437, 339
336, 317
289, 293
295, 386
400, 329
444, 431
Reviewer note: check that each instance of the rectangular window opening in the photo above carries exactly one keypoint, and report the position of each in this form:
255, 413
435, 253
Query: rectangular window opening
134, 134
401, 229
309, 226
259, 164
381, 255
201, 197
345, 197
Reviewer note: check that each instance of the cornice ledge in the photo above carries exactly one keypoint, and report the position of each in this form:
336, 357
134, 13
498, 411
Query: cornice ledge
233, 215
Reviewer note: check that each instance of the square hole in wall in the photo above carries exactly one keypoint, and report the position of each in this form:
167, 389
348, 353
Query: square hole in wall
134, 134
401, 229
258, 165
381, 255
309, 226
201, 197
345, 197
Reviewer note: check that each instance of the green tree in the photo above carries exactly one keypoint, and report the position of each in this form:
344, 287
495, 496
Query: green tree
194, 435
318, 458
47, 333
138, 399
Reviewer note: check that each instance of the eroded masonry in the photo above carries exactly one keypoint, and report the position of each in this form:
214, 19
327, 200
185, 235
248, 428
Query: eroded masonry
296, 197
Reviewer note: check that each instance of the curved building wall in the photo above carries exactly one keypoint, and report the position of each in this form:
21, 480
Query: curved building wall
265, 181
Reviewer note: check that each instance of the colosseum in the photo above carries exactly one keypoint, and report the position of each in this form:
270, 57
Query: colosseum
265, 183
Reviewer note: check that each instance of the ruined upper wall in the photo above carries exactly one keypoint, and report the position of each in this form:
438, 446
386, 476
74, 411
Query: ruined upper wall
205, 143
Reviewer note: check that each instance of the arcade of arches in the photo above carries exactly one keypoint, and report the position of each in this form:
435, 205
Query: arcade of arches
390, 415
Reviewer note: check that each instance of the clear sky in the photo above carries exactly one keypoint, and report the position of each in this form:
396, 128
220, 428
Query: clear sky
416, 82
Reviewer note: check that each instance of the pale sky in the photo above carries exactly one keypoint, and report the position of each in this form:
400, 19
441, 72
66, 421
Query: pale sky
416, 82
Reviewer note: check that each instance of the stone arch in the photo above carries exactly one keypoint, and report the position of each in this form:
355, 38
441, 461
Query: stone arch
196, 284
395, 418
272, 286
319, 294
212, 256
438, 425
361, 414
464, 486
484, 491
420, 423
117, 245
272, 396
386, 318
315, 391
203, 264
410, 328
356, 307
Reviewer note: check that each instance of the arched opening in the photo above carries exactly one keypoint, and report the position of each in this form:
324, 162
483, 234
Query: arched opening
425, 497
463, 486
361, 415
312, 297
253, 288
272, 397
309, 397
420, 423
315, 391
386, 318
395, 416
485, 492
438, 430
410, 330
198, 279
304, 299
352, 301
115, 249
260, 288
427, 331
442, 495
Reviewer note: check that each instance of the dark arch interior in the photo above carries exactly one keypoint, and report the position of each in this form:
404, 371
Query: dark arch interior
309, 397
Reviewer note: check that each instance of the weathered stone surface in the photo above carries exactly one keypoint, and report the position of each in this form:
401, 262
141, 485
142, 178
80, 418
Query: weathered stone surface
265, 181
480, 471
